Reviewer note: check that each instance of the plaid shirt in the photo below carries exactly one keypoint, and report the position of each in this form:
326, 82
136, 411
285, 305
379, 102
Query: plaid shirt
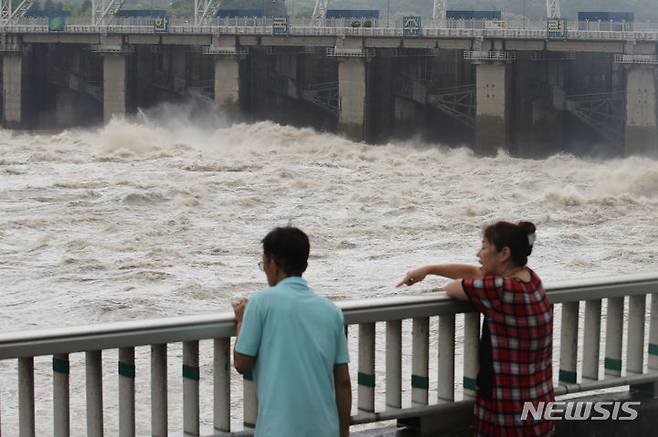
519, 316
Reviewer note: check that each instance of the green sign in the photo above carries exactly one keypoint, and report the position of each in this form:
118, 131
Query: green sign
56, 24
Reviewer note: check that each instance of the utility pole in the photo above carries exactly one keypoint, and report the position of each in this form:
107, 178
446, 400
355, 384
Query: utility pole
439, 12
388, 13
553, 9
320, 12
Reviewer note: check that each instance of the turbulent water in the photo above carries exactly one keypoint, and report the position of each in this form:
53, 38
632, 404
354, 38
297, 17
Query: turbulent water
163, 215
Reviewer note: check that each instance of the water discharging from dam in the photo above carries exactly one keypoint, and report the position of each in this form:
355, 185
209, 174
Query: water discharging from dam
163, 215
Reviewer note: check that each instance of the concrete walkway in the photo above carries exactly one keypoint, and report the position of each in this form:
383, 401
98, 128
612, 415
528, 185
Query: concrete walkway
405, 432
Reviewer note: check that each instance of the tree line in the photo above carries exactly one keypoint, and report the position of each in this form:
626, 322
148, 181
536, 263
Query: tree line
645, 10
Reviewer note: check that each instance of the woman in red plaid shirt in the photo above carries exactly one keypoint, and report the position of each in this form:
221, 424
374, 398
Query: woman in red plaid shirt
517, 336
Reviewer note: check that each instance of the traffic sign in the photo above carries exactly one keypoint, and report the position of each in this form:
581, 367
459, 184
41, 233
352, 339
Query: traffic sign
56, 23
161, 24
412, 25
280, 26
557, 28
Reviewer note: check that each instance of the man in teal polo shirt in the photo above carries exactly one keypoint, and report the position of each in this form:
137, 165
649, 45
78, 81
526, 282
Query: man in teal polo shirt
293, 342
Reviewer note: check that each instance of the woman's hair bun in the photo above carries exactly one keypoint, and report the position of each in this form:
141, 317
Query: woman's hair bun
529, 229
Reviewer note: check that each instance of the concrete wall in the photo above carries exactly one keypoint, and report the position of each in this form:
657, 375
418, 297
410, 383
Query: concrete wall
641, 135
227, 84
13, 72
492, 108
352, 98
114, 86
179, 69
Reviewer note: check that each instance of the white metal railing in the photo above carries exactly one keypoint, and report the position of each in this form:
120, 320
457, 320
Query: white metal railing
636, 59
360, 52
619, 370
508, 29
491, 55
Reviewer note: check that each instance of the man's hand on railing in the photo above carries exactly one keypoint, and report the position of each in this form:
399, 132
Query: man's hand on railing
238, 308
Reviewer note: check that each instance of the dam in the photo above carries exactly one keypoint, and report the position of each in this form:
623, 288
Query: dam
517, 87
103, 225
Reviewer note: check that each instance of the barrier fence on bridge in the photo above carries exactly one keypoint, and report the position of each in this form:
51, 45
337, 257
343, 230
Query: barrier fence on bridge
616, 307
510, 29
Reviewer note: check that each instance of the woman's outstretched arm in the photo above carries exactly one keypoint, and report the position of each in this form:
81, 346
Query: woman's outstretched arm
452, 271
455, 290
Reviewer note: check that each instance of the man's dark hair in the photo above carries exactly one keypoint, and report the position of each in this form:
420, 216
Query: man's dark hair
289, 248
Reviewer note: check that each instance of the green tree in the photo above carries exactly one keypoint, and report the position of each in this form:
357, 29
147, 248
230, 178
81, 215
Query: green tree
85, 9
303, 11
181, 8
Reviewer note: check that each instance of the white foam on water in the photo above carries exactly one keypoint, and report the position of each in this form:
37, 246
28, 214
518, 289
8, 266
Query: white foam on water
162, 214
180, 182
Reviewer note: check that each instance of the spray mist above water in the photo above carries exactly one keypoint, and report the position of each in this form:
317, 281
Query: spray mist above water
162, 214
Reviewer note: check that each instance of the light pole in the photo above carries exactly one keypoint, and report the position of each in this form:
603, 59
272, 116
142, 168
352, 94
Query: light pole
388, 13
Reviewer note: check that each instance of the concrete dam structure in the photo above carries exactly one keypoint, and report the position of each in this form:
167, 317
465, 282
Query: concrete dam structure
515, 89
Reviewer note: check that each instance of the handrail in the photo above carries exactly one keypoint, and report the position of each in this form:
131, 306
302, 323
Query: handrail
512, 30
621, 320
185, 328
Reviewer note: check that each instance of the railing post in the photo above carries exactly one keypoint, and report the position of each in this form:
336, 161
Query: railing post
61, 396
592, 343
159, 420
569, 343
94, 390
394, 364
653, 333
191, 388
651, 388
366, 377
26, 397
471, 351
420, 361
222, 384
636, 333
613, 337
637, 306
250, 401
127, 392
447, 357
